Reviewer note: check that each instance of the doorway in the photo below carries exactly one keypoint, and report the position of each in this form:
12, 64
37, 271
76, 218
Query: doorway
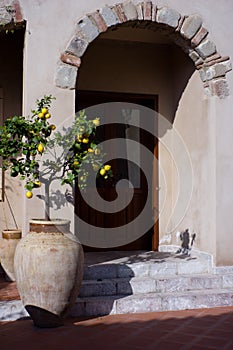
122, 168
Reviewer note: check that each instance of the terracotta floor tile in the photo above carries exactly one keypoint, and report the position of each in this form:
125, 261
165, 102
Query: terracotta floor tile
177, 330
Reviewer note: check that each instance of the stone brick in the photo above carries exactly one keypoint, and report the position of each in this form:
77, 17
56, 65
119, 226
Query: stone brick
130, 11
154, 12
219, 60
137, 303
5, 16
139, 8
171, 285
78, 309
133, 270
88, 29
201, 34
168, 16
66, 76
70, 59
192, 267
205, 282
18, 12
178, 302
109, 16
101, 306
194, 56
77, 46
118, 10
181, 20
227, 281
217, 70
147, 10
100, 271
213, 57
97, 288
199, 63
163, 269
214, 71
211, 299
99, 21
206, 48
12, 310
219, 88
202, 73
190, 26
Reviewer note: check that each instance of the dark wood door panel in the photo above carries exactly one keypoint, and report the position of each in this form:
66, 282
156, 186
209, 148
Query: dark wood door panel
93, 217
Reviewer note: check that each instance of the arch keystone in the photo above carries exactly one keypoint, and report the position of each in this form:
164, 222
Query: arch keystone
130, 11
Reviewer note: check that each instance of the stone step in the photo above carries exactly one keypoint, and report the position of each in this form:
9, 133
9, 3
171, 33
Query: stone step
150, 302
137, 285
146, 268
12, 310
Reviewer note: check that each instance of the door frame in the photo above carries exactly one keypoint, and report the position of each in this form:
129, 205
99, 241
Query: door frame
112, 96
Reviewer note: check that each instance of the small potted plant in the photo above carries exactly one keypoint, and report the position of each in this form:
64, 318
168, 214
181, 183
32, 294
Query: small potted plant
47, 290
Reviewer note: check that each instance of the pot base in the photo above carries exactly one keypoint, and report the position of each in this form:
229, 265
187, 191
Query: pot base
43, 318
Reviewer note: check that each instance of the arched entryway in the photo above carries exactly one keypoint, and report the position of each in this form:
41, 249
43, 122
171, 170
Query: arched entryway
115, 28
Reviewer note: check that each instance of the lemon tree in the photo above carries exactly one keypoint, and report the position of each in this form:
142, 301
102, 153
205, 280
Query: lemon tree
22, 143
83, 153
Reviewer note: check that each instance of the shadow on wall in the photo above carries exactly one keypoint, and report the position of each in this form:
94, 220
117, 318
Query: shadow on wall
117, 63
183, 69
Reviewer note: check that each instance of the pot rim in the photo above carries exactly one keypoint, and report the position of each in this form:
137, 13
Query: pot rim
56, 222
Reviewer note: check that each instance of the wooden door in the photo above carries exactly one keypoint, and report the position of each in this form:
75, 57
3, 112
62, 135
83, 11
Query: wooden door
121, 168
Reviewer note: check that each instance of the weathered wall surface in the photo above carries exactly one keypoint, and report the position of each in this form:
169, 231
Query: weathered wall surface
204, 122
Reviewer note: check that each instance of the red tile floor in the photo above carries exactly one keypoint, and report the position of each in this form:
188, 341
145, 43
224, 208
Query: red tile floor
190, 329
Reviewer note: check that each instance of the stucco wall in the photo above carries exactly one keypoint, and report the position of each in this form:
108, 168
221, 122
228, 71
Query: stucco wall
204, 122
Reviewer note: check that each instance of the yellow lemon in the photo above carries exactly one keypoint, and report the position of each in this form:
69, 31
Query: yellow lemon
29, 194
85, 140
75, 163
40, 148
47, 115
96, 121
90, 150
37, 183
52, 127
40, 115
102, 171
107, 167
44, 110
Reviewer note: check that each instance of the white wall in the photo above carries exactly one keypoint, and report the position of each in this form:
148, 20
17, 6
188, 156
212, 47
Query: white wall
205, 123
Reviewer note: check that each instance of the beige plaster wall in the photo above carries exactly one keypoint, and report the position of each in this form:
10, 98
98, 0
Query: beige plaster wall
204, 123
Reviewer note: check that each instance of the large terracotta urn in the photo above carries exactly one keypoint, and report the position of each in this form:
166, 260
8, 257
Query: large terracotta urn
48, 269
8, 243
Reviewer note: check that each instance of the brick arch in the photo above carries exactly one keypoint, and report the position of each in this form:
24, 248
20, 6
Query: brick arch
186, 31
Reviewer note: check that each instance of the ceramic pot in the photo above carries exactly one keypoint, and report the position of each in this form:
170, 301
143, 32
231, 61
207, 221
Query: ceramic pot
7, 251
49, 269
